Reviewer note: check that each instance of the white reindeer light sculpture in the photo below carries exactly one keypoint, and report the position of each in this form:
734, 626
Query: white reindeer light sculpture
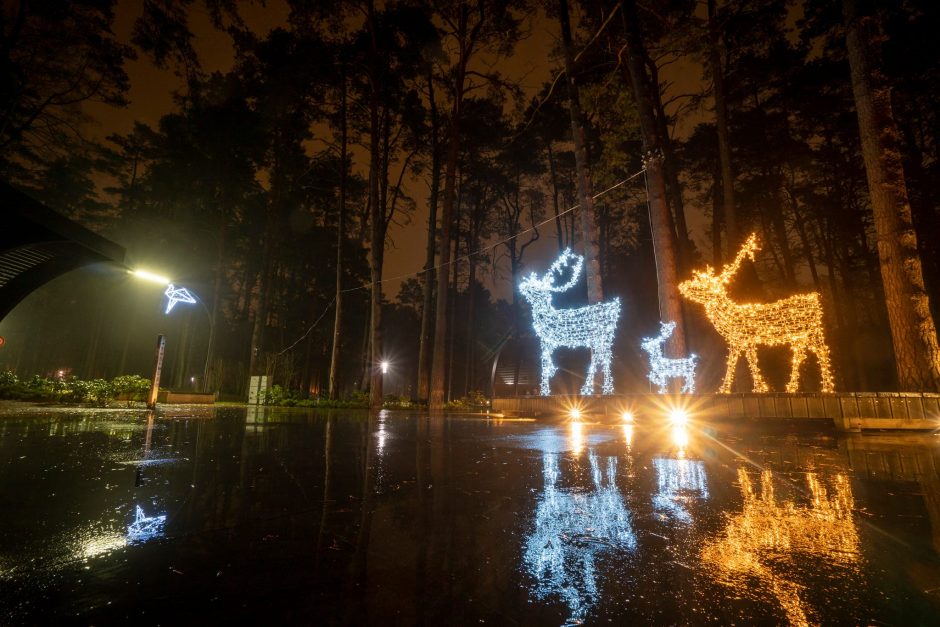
796, 321
590, 327
664, 368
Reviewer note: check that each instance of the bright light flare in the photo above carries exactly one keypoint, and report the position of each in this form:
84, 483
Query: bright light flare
627, 416
574, 413
577, 437
679, 417
384, 366
151, 276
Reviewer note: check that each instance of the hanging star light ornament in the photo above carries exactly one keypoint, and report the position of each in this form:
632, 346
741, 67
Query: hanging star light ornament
590, 327
796, 321
664, 368
177, 295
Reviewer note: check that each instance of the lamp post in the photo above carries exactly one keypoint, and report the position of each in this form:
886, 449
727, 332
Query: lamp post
176, 295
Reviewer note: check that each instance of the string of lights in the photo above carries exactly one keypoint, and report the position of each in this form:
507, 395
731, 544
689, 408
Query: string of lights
663, 368
593, 326
796, 321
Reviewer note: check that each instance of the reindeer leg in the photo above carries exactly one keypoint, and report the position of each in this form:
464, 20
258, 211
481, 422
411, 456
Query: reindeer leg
799, 354
727, 384
760, 385
548, 369
825, 369
608, 377
588, 388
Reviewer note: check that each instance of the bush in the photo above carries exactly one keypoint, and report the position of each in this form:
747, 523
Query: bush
96, 392
132, 387
393, 401
473, 400
8, 382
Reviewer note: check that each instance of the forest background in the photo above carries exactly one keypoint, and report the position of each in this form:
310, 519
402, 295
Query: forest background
327, 136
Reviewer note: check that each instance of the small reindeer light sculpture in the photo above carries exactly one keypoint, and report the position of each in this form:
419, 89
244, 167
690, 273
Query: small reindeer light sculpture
590, 327
796, 321
664, 368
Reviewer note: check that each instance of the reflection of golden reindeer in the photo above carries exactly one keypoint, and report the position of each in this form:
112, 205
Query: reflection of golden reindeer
796, 321
767, 531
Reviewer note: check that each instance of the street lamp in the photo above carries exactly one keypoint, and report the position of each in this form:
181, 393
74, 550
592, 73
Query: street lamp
384, 365
175, 295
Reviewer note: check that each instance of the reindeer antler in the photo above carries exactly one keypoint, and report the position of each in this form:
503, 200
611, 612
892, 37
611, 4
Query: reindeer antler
750, 246
561, 263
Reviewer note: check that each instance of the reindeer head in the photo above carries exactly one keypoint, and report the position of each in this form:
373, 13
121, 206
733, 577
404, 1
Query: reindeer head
539, 289
705, 286
651, 344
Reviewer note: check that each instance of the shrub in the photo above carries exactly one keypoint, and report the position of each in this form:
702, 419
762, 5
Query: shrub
131, 386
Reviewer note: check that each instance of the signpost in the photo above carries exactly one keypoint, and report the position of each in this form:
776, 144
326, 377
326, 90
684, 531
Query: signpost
257, 386
157, 367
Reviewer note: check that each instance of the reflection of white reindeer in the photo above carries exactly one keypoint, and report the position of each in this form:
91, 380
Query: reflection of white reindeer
574, 528
585, 327
664, 368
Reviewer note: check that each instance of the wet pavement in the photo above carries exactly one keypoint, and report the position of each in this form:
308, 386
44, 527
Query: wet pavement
287, 516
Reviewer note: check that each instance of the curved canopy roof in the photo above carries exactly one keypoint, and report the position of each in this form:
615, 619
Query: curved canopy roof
37, 245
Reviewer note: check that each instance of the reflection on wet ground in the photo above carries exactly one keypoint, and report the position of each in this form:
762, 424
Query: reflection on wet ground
342, 517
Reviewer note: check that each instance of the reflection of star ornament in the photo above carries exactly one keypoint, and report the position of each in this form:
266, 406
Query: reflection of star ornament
177, 295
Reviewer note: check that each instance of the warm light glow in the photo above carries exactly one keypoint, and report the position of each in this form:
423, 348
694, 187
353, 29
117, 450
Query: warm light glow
680, 437
177, 295
628, 434
663, 368
679, 417
768, 529
574, 413
627, 416
577, 437
796, 321
101, 544
150, 276
590, 327
384, 367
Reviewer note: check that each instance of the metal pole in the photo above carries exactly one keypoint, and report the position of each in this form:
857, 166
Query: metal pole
157, 367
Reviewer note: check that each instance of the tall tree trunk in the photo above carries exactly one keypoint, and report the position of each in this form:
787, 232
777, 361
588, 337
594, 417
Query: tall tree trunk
554, 179
916, 353
340, 237
670, 168
424, 346
663, 232
717, 217
729, 211
261, 313
589, 229
377, 219
439, 363
454, 296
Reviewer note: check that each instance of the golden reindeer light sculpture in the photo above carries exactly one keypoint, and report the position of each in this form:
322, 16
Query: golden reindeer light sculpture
795, 321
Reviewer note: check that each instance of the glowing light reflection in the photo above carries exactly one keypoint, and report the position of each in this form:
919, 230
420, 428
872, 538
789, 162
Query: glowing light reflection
576, 432
145, 528
680, 437
770, 533
571, 530
99, 545
679, 482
